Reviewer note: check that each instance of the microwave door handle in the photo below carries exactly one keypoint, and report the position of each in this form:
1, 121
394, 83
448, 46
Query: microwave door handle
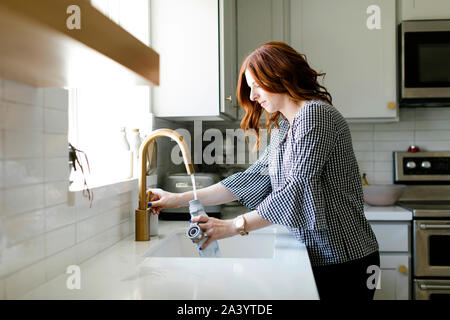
426, 226
434, 287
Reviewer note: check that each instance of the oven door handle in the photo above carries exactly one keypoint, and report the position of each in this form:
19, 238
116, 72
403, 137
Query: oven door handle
434, 287
426, 226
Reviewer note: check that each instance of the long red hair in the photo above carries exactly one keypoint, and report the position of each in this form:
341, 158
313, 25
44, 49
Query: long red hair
277, 68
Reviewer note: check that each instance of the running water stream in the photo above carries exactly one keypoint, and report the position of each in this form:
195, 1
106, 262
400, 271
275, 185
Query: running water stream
193, 186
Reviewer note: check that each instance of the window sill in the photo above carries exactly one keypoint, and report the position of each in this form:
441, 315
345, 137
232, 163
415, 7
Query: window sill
102, 190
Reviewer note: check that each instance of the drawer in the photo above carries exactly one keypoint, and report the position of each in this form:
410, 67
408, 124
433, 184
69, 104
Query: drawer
392, 236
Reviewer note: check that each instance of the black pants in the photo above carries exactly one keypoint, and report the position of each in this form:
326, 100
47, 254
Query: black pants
347, 280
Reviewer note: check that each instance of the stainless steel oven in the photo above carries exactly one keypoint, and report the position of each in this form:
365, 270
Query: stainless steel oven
432, 248
424, 54
427, 175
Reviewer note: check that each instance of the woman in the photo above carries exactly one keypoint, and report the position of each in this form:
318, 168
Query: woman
307, 179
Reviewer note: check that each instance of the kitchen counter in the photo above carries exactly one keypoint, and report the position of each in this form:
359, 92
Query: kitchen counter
390, 213
121, 271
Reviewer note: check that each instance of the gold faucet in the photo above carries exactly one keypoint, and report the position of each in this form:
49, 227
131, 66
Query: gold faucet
142, 224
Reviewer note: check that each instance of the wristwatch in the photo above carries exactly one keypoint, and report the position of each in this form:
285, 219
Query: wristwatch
240, 223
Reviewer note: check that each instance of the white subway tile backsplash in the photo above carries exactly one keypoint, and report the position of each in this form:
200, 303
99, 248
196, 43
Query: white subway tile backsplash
23, 144
23, 199
2, 152
19, 283
59, 216
383, 156
2, 288
56, 145
360, 127
433, 114
20, 227
22, 117
56, 169
364, 156
433, 145
382, 166
23, 172
433, 125
396, 126
362, 136
57, 264
23, 254
407, 114
22, 93
392, 146
434, 135
86, 249
60, 239
362, 145
56, 98
56, 121
40, 229
381, 177
56, 193
365, 166
393, 135
2, 175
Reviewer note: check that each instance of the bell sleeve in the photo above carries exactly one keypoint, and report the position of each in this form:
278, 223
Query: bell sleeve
252, 185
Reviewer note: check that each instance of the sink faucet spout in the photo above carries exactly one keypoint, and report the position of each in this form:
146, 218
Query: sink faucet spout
142, 224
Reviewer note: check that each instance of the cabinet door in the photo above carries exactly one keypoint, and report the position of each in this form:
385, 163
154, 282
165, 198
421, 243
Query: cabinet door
395, 277
360, 64
228, 66
185, 34
425, 9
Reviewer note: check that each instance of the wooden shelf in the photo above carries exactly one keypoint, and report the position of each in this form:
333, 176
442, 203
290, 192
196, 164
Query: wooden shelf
37, 48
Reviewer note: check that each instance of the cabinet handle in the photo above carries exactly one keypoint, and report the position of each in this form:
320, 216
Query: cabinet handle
403, 269
434, 287
229, 98
391, 105
426, 226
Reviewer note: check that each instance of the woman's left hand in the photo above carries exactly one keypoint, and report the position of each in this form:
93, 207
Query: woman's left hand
214, 228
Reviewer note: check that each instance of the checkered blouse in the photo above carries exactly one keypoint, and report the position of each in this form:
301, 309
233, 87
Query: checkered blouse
308, 180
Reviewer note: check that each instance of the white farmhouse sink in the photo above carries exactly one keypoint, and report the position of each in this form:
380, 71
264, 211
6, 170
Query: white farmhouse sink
255, 245
267, 264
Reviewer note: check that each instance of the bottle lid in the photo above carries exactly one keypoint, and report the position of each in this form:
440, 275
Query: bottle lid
135, 130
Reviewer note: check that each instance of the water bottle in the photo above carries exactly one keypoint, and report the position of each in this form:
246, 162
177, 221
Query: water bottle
198, 236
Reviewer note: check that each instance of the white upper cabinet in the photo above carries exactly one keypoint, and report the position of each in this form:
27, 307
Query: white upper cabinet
425, 9
259, 22
359, 62
196, 42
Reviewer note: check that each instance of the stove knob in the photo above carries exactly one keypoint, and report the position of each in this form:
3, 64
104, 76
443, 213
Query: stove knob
426, 164
410, 164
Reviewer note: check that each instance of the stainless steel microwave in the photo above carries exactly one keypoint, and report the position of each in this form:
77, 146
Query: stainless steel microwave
425, 60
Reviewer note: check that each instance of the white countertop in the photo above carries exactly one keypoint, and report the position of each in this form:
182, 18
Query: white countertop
122, 271
391, 213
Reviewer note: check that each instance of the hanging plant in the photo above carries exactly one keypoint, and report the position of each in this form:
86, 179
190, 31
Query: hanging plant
74, 161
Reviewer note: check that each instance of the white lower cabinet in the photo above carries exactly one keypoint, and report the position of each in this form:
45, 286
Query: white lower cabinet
395, 259
395, 277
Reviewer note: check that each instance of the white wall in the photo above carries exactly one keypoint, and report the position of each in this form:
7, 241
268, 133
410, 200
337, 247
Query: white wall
41, 233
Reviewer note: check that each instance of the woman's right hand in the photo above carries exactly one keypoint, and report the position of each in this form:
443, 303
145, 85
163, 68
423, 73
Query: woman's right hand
161, 199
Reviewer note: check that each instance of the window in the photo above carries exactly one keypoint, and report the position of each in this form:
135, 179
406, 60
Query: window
96, 115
